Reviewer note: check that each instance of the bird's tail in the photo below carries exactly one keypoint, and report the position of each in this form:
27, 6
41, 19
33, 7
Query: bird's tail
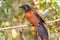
42, 32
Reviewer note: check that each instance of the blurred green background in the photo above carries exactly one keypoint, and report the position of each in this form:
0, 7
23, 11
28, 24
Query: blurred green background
12, 15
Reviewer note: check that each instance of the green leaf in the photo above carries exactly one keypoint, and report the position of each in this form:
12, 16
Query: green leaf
56, 5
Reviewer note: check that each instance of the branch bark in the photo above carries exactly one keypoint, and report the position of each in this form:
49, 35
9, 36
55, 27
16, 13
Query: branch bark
26, 26
56, 31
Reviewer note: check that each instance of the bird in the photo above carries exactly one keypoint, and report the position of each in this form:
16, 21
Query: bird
36, 20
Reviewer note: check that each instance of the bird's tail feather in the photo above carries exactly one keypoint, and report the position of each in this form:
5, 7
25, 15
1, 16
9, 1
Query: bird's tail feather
42, 32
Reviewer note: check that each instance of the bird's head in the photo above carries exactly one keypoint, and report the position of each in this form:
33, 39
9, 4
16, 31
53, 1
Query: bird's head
25, 7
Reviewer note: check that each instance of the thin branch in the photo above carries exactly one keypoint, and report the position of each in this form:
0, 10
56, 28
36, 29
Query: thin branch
56, 31
14, 27
23, 37
53, 21
26, 26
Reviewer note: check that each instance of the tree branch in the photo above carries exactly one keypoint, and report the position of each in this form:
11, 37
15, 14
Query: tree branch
14, 27
26, 26
53, 21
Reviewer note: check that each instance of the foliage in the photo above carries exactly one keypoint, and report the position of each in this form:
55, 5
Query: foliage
11, 14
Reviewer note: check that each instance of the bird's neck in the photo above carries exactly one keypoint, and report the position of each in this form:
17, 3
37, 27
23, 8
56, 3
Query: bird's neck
26, 9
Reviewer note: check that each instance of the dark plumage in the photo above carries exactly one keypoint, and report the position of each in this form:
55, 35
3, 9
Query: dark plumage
36, 20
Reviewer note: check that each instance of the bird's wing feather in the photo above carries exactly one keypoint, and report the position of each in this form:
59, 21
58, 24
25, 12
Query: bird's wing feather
39, 17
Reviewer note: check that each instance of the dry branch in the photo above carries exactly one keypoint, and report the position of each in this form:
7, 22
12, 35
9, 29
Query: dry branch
14, 27
26, 26
53, 21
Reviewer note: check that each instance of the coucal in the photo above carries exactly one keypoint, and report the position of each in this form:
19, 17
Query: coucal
36, 21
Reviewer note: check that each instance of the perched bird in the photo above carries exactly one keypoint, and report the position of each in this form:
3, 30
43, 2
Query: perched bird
36, 21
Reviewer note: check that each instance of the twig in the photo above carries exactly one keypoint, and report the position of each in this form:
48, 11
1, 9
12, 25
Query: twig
26, 26
23, 37
14, 27
53, 21
56, 31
